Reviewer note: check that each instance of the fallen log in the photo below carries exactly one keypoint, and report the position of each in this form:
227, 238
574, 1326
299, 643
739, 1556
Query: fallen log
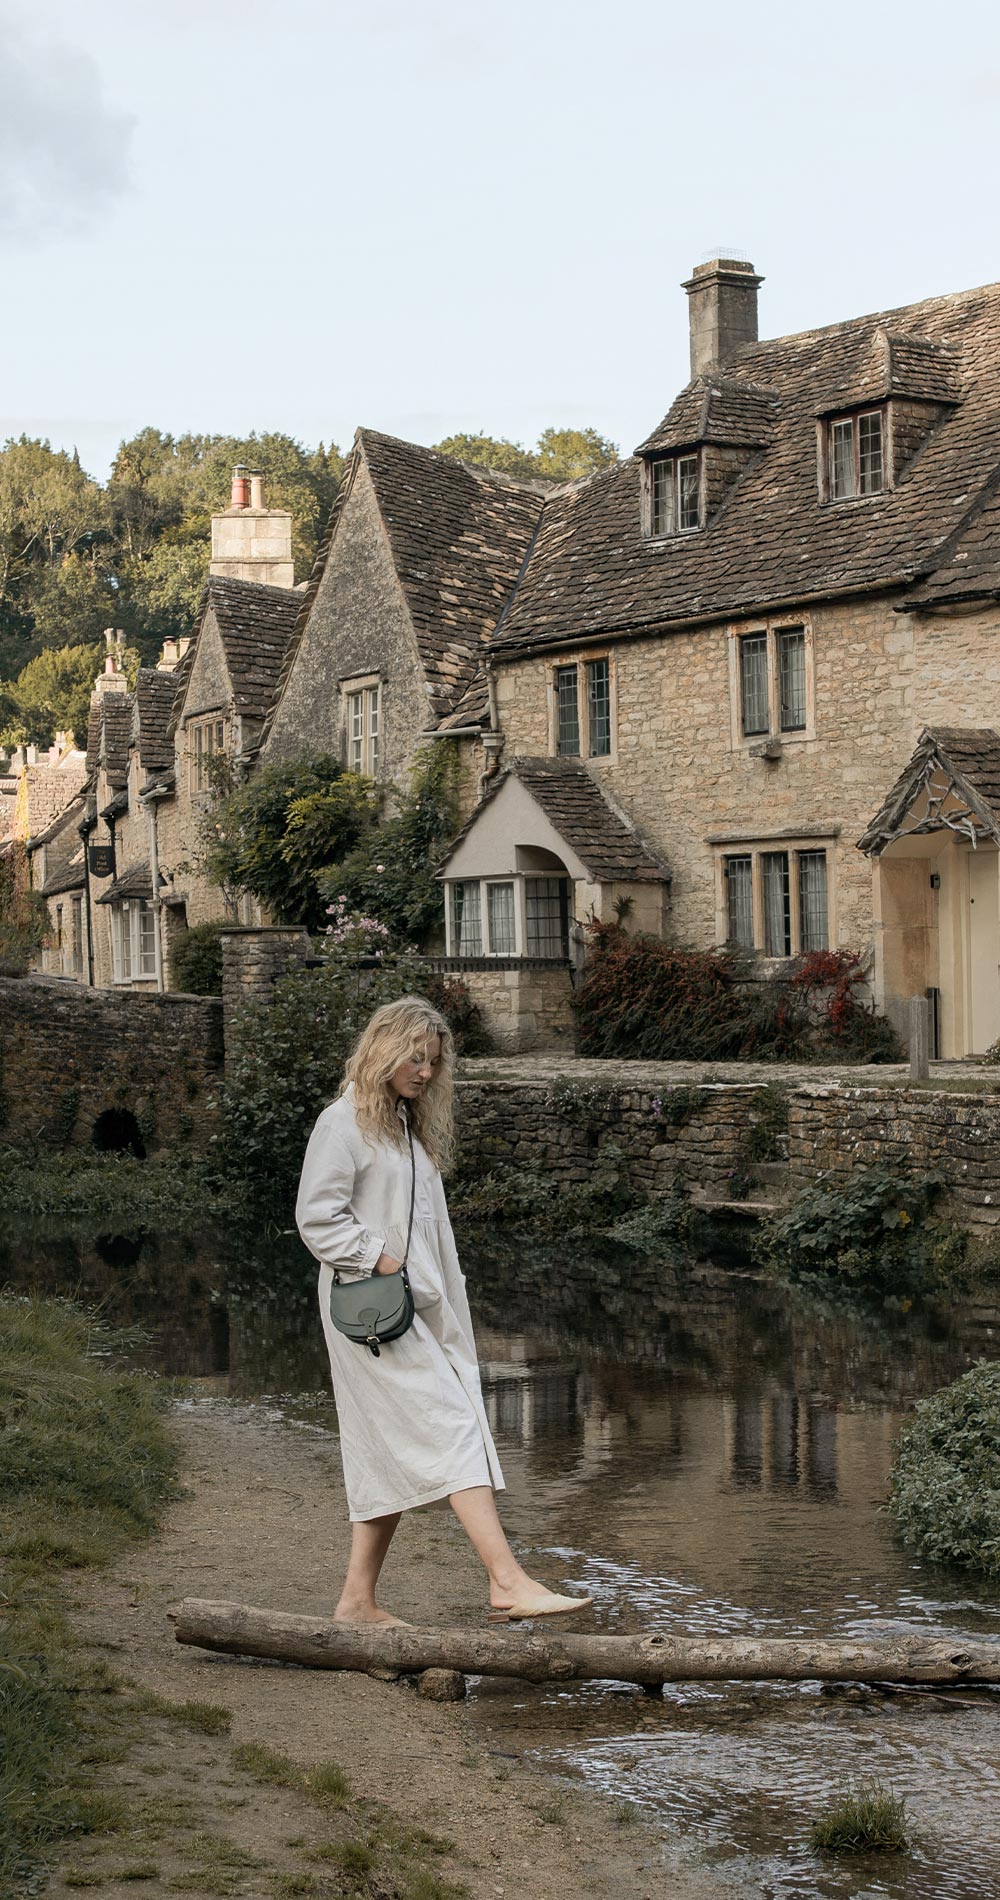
551, 1655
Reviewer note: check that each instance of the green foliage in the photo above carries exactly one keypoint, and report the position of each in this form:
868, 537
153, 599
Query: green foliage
289, 1060
172, 1190
24, 914
868, 1819
52, 693
666, 1225
390, 873
85, 1467
642, 997
873, 1235
463, 1017
273, 835
562, 455
945, 1496
196, 960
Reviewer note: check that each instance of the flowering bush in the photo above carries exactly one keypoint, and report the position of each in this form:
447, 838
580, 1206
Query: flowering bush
351, 934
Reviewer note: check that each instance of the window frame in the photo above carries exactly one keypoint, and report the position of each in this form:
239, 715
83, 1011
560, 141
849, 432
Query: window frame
206, 735
365, 732
826, 449
757, 850
585, 665
127, 934
662, 512
518, 881
773, 631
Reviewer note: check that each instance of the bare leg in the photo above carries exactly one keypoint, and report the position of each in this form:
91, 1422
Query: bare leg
509, 1584
369, 1544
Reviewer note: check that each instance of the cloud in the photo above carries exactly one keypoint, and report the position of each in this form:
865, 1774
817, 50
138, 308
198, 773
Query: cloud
63, 148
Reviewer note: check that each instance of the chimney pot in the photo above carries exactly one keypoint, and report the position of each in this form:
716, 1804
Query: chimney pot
257, 491
240, 492
722, 310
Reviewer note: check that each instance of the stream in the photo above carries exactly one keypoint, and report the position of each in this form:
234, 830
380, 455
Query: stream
708, 1454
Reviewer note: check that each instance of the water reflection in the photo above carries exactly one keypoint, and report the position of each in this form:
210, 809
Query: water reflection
705, 1454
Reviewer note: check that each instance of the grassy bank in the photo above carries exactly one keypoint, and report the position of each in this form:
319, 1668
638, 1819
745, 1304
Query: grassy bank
85, 1467
80, 1184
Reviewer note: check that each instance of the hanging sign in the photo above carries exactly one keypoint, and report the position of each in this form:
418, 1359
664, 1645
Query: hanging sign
101, 860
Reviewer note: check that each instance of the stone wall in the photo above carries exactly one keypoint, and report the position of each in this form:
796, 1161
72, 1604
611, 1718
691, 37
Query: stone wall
252, 960
835, 1130
692, 1133
524, 1003
70, 1055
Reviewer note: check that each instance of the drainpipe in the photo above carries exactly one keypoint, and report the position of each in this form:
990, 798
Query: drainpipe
85, 830
149, 800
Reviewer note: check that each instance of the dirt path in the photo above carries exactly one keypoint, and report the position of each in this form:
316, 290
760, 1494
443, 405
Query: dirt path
264, 1520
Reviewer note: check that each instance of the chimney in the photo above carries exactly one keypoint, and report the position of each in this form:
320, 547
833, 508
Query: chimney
251, 542
722, 310
113, 679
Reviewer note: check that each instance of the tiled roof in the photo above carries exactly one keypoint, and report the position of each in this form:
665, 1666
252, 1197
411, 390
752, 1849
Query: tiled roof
116, 722
965, 759
153, 702
723, 409
459, 536
772, 541
64, 868
605, 842
136, 881
256, 624
473, 709
180, 675
970, 563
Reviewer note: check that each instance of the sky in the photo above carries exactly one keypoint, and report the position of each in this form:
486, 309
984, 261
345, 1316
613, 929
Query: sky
433, 216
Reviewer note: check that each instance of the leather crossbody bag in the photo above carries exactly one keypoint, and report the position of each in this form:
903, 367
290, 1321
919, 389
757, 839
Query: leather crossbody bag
379, 1308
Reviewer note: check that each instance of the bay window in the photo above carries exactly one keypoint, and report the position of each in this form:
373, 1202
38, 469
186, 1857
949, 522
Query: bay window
508, 917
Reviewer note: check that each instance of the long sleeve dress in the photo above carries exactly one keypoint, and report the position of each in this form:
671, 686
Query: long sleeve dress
412, 1423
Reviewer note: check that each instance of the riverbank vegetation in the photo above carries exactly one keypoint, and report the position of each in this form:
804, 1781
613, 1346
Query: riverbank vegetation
945, 1497
868, 1819
86, 1465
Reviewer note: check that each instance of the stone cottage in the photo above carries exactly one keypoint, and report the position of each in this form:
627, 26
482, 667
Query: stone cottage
776, 619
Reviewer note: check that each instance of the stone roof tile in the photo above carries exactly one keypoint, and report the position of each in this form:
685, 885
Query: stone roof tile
580, 811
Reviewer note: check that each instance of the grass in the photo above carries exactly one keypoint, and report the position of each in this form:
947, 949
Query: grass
868, 1819
85, 1467
166, 1190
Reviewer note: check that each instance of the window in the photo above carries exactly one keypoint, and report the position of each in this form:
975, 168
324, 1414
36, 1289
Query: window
776, 901
500, 918
205, 740
546, 904
466, 920
856, 459
133, 939
673, 496
363, 722
582, 696
772, 683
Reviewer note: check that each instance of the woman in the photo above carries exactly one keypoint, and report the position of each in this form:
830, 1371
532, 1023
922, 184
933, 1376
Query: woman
412, 1424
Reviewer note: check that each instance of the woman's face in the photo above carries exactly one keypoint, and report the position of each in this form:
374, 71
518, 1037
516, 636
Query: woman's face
411, 1078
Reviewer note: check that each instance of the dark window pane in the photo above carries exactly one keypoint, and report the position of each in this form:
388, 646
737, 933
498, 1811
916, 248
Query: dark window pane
567, 713
753, 683
813, 925
739, 901
687, 492
842, 460
546, 903
599, 707
662, 498
792, 675
467, 935
777, 905
870, 453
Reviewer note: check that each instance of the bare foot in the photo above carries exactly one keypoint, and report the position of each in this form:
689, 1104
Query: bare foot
364, 1615
533, 1600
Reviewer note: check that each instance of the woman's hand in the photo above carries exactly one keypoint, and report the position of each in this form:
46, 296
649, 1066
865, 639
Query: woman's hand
386, 1263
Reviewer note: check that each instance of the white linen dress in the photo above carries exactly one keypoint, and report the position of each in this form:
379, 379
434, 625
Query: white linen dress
412, 1423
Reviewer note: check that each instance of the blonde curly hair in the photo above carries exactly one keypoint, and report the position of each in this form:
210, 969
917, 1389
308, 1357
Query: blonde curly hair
400, 1032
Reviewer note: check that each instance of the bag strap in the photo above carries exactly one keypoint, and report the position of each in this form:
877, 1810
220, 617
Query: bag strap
413, 1193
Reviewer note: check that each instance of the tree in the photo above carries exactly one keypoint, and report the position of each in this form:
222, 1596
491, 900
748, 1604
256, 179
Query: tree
52, 693
272, 836
562, 455
390, 873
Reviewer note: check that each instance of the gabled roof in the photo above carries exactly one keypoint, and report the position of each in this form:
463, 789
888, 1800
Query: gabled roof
723, 409
136, 881
579, 810
952, 782
256, 624
773, 541
116, 713
153, 701
64, 851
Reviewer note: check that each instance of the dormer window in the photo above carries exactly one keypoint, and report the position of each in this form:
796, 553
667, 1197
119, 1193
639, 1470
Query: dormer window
674, 506
855, 455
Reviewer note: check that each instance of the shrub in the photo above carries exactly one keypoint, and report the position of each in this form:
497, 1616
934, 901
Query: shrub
390, 872
196, 960
872, 1234
827, 984
945, 1496
463, 1017
868, 1819
273, 835
289, 1060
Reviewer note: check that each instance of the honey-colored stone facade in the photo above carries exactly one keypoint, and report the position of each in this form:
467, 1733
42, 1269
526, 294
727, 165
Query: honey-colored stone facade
694, 787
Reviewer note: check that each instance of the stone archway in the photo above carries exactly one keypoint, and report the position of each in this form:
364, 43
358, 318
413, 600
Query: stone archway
117, 1131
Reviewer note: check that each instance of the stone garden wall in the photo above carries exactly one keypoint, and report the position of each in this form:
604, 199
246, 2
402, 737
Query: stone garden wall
834, 1130
70, 1055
